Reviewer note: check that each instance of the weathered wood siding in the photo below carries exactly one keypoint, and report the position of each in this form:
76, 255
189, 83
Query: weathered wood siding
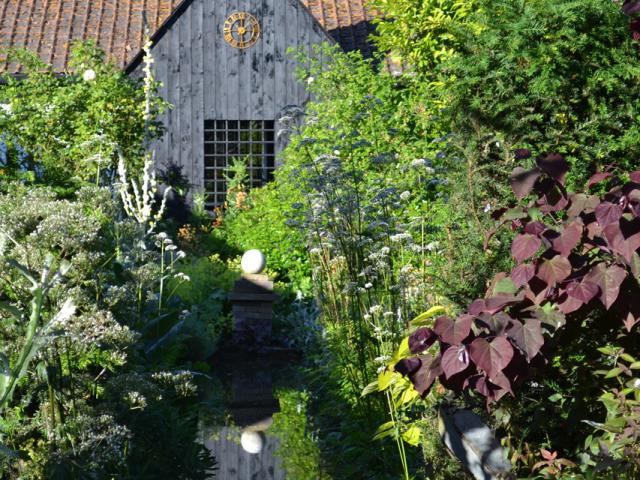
236, 464
204, 77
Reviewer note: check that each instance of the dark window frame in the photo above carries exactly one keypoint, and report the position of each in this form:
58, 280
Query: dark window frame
225, 140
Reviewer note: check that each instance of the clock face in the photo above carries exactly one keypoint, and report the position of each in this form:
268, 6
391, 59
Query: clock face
241, 30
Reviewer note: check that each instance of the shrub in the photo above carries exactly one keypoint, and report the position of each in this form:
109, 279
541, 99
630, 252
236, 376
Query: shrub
562, 76
576, 274
69, 127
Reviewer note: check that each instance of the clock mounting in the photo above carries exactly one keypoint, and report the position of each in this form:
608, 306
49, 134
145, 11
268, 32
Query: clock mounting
241, 30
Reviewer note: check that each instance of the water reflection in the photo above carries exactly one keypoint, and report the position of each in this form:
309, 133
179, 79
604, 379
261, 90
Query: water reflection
248, 381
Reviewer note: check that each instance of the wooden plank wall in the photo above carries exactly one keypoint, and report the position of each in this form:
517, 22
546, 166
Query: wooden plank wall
236, 464
204, 78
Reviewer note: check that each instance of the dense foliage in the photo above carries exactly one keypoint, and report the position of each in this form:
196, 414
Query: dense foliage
83, 387
555, 76
420, 35
98, 352
65, 129
395, 185
412, 279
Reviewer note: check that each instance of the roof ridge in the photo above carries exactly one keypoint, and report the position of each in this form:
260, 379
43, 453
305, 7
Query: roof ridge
116, 25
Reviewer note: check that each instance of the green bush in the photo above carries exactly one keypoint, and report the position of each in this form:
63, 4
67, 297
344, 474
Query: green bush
553, 76
86, 379
262, 224
71, 126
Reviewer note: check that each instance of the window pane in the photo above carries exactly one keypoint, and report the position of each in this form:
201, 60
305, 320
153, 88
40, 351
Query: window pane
226, 140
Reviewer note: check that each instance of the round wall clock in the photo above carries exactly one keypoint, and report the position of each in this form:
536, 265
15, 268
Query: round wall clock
241, 30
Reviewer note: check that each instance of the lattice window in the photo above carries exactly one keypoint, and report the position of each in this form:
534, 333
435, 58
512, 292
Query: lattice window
224, 140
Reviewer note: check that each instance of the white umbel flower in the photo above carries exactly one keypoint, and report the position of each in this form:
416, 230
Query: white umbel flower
89, 75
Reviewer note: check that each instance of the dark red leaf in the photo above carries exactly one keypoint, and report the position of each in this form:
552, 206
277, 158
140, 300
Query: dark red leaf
553, 165
502, 381
522, 274
569, 238
607, 213
553, 196
609, 280
623, 237
525, 246
528, 337
492, 357
497, 323
536, 290
569, 305
522, 181
535, 228
477, 307
581, 203
421, 339
455, 359
635, 176
423, 377
583, 291
482, 386
554, 270
499, 302
452, 331
522, 153
630, 321
634, 26
407, 365
631, 7
598, 177
594, 230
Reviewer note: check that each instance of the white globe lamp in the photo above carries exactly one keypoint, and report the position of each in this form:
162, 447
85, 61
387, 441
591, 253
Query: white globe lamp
253, 262
252, 442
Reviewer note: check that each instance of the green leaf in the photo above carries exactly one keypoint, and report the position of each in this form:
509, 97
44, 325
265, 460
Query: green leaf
420, 320
409, 395
515, 214
384, 430
551, 317
635, 366
5, 374
372, 387
615, 425
614, 372
556, 397
505, 285
25, 273
608, 350
412, 436
635, 265
402, 352
627, 358
385, 379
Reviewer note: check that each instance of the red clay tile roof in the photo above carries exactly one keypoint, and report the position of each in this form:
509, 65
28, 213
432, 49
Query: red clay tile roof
49, 26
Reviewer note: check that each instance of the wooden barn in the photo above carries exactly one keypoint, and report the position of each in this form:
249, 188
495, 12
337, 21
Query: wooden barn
222, 64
